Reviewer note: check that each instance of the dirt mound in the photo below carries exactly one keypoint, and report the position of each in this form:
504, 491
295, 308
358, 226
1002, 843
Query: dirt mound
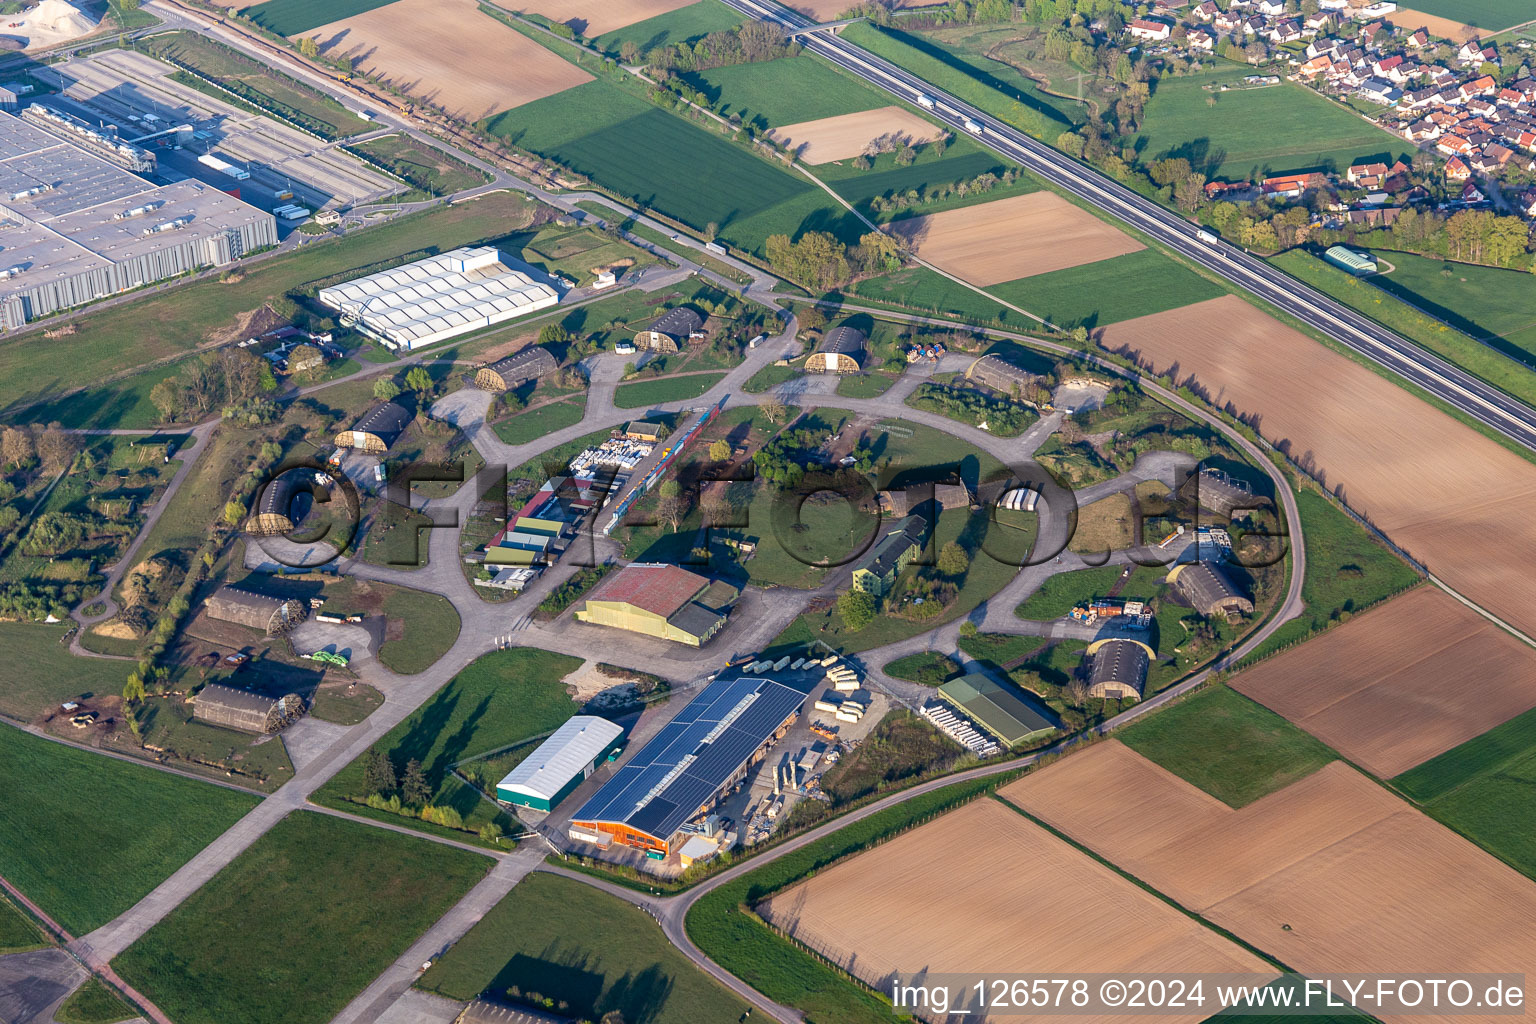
129, 624
141, 579
248, 325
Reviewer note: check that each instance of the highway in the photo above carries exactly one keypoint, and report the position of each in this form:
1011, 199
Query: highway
1454, 386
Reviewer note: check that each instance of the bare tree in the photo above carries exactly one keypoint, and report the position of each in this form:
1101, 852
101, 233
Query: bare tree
1077, 690
16, 445
56, 448
772, 408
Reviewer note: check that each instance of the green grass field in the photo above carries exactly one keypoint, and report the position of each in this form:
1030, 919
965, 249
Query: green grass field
662, 161
1347, 570
928, 667
1233, 748
155, 332
138, 826
918, 288
501, 699
1504, 360
1095, 294
53, 673
787, 91
1248, 132
962, 160
290, 17
775, 966
1058, 595
686, 24
94, 1003
590, 952
298, 924
425, 167
17, 932
1485, 789
995, 88
1492, 15
533, 424
643, 394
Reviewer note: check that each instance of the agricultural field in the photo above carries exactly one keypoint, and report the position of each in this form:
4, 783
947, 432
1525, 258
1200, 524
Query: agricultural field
1400, 684
53, 674
1095, 294
1330, 855
664, 162
450, 52
594, 19
159, 333
1009, 239
426, 168
500, 700
292, 17
138, 827
1231, 747
1360, 432
932, 183
1502, 360
642, 394
318, 906
1249, 132
682, 22
1489, 15
1084, 916
845, 136
243, 75
533, 940
775, 93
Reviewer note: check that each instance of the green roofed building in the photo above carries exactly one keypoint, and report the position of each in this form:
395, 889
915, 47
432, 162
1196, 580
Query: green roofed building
1009, 714
1357, 263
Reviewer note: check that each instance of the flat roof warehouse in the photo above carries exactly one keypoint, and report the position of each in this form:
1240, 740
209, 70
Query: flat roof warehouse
75, 227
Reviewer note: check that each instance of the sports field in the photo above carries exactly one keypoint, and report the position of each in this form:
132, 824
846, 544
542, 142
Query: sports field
138, 826
501, 699
1013, 238
584, 948
997, 865
1400, 684
298, 924
452, 53
1268, 130
1333, 856
293, 17
1365, 435
774, 93
664, 162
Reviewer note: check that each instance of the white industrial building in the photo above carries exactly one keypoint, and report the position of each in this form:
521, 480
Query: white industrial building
76, 227
552, 772
439, 297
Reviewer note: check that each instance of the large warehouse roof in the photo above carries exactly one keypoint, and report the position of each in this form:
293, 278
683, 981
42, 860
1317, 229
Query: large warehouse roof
562, 757
1003, 711
845, 340
693, 755
654, 586
439, 297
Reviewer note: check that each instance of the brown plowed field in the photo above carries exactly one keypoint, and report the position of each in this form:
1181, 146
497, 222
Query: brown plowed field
1366, 883
1406, 681
598, 16
985, 889
1409, 19
990, 243
847, 135
1455, 500
449, 53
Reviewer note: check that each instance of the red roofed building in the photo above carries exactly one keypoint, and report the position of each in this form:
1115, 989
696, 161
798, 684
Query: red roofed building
660, 600
1456, 169
1292, 185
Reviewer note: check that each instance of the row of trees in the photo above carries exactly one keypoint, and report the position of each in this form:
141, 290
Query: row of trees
52, 446
235, 378
819, 260
750, 43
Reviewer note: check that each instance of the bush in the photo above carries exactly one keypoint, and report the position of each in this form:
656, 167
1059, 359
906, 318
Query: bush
857, 610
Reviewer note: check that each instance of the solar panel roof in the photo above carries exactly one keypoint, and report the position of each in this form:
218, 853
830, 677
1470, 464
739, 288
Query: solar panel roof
685, 764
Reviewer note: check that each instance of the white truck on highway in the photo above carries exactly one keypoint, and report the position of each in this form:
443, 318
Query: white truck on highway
1208, 237
973, 127
925, 101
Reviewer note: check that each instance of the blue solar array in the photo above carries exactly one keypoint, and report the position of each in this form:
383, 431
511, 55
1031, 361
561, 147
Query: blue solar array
693, 755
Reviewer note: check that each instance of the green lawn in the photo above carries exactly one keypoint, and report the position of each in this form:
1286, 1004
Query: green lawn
1233, 748
532, 424
995, 88
1255, 132
928, 667
1490, 336
426, 167
686, 24
664, 162
1491, 15
422, 626
1122, 288
168, 326
1485, 789
290, 17
774, 93
590, 952
53, 674
866, 385
776, 966
923, 290
137, 827
501, 699
94, 1003
17, 932
645, 393
1347, 570
1061, 593
298, 924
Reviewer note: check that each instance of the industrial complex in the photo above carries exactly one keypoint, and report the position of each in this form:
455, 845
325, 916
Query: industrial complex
438, 297
76, 227
664, 601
